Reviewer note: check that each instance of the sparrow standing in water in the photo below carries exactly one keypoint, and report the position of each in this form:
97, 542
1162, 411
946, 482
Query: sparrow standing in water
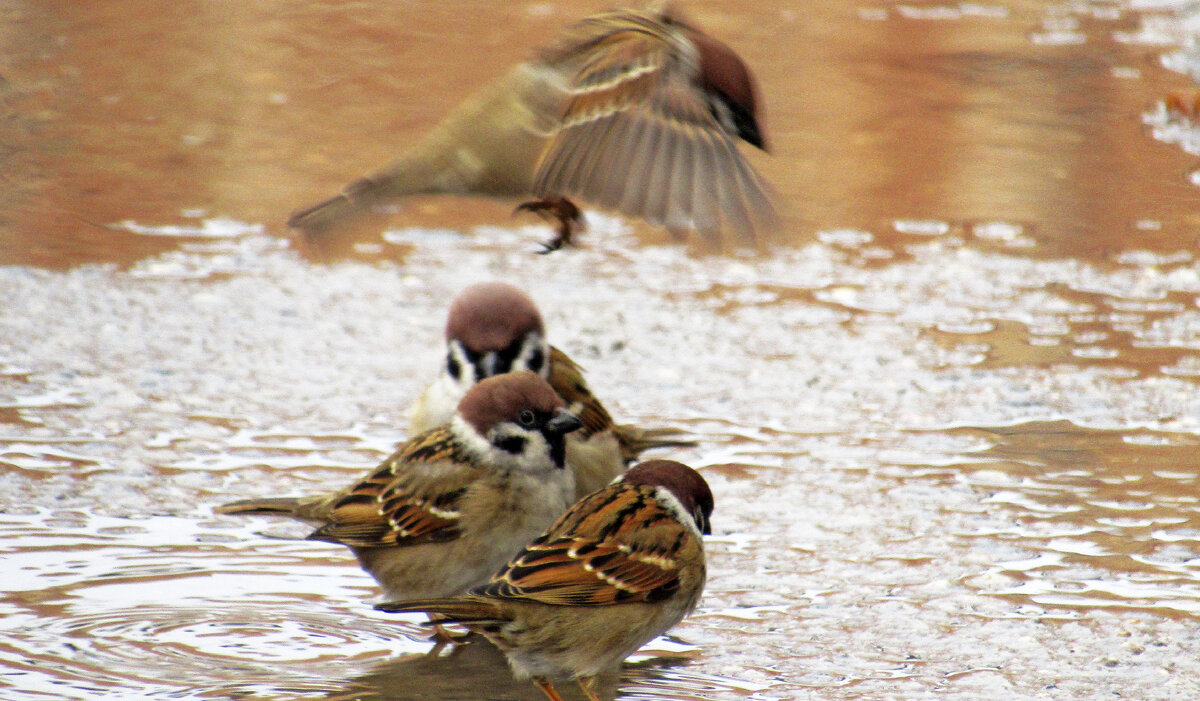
634, 111
493, 328
623, 566
453, 504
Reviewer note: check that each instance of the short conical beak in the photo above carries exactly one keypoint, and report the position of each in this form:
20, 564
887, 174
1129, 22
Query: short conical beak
562, 423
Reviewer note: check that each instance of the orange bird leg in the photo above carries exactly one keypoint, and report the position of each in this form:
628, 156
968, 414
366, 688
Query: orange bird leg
547, 688
588, 686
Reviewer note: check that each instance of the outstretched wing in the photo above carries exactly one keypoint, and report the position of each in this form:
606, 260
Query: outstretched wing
639, 134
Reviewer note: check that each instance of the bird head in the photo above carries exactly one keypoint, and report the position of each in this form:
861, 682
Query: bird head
727, 79
516, 421
684, 485
494, 328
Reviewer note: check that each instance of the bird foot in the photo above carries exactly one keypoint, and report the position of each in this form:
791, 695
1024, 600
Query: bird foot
559, 211
443, 637
547, 688
588, 686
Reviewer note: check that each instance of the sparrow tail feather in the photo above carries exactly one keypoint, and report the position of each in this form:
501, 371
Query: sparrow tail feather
635, 440
357, 197
304, 508
282, 505
451, 610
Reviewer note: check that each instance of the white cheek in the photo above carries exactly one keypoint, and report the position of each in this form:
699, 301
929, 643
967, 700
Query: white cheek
669, 502
475, 444
534, 455
537, 452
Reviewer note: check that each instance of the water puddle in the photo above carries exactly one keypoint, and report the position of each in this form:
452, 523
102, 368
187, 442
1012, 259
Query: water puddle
1111, 516
950, 416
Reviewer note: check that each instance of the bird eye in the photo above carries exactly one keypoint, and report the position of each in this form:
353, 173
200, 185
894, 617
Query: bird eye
527, 418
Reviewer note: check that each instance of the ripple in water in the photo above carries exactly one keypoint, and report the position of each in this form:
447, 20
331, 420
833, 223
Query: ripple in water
1106, 518
356, 448
182, 608
176, 607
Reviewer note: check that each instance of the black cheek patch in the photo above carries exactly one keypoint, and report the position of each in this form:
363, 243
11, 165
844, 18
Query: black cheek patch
511, 444
473, 359
453, 367
536, 360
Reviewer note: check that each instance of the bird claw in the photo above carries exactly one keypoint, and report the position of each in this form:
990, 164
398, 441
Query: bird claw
551, 245
559, 211
443, 637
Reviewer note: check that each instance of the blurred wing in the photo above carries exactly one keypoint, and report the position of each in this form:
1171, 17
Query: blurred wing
412, 498
615, 546
638, 135
567, 380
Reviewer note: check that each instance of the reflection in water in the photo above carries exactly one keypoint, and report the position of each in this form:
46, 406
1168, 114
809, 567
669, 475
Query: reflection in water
97, 605
248, 111
461, 673
952, 427
1111, 515
828, 572
166, 605
467, 672
1089, 328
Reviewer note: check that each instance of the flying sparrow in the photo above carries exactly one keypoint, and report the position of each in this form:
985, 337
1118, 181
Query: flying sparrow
493, 328
623, 566
453, 504
631, 110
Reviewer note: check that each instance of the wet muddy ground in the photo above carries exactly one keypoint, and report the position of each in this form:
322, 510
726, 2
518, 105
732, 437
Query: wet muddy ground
950, 417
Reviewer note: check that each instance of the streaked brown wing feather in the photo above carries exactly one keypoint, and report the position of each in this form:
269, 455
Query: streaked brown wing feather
567, 380
411, 498
566, 377
705, 214
758, 193
643, 136
680, 206
621, 72
610, 48
638, 137
615, 546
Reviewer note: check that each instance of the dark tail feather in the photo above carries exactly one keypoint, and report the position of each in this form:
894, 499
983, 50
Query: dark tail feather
315, 509
635, 440
284, 505
356, 198
448, 610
